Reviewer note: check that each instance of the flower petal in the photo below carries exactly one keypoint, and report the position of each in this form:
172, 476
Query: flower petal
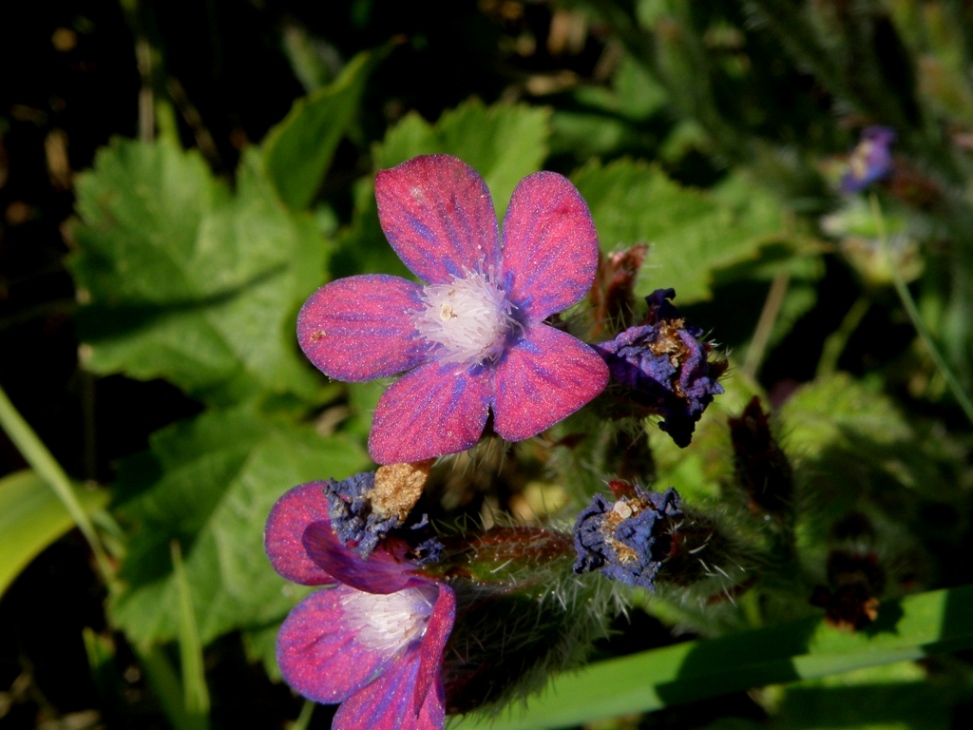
388, 703
434, 641
434, 410
360, 328
317, 651
545, 377
437, 214
298, 508
381, 573
550, 246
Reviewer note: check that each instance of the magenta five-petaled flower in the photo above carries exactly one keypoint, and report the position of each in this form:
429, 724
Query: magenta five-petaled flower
471, 338
374, 640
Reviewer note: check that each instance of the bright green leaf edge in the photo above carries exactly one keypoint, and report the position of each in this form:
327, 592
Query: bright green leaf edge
298, 151
195, 691
908, 629
31, 518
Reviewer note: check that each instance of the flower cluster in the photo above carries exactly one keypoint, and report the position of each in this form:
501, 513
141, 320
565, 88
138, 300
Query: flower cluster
663, 367
479, 344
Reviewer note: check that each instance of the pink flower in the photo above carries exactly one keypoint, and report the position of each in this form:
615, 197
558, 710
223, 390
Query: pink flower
373, 642
471, 339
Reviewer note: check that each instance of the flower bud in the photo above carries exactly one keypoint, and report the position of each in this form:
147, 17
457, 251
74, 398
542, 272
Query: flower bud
760, 466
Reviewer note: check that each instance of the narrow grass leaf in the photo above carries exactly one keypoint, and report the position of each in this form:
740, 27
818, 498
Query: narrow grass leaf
32, 516
913, 628
195, 692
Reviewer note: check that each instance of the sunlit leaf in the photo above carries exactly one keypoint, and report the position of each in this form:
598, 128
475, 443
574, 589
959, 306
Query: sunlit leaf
690, 233
503, 142
298, 151
31, 518
187, 282
913, 628
209, 484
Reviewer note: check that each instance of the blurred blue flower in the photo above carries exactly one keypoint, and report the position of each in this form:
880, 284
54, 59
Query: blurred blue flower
871, 160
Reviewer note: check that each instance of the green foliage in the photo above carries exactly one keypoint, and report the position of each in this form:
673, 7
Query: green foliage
860, 443
209, 484
605, 120
186, 281
716, 133
690, 233
298, 151
916, 627
31, 518
195, 692
877, 698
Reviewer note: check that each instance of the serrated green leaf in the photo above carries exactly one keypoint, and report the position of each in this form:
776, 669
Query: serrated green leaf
854, 451
690, 233
913, 628
189, 283
31, 518
850, 430
209, 483
831, 409
298, 151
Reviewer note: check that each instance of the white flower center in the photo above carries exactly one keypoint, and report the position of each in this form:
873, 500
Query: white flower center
388, 623
470, 317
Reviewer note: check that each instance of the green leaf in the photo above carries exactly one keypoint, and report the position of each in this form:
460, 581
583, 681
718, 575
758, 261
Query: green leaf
859, 438
195, 691
853, 450
32, 517
209, 483
298, 151
47, 468
889, 697
189, 283
602, 121
913, 628
690, 233
164, 681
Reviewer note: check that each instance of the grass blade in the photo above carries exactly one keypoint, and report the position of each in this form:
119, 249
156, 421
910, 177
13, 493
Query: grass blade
912, 628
